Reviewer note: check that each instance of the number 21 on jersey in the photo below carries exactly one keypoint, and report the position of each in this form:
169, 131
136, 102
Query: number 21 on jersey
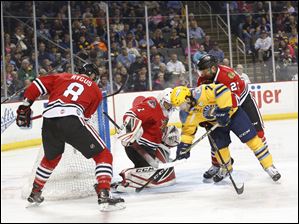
234, 86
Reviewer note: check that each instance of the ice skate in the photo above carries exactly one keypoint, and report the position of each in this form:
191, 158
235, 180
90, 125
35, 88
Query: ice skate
35, 198
107, 202
222, 173
273, 173
212, 171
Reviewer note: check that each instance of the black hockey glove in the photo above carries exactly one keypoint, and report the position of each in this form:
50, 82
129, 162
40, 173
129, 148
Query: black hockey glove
24, 113
181, 151
205, 125
222, 116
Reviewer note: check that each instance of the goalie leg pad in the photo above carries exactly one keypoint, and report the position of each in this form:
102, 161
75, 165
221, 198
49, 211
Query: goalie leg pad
136, 177
162, 155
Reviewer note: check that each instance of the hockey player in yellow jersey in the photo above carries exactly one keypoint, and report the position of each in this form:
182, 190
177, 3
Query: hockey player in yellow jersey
212, 103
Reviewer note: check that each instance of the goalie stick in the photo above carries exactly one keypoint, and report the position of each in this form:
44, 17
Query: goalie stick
156, 176
163, 167
238, 190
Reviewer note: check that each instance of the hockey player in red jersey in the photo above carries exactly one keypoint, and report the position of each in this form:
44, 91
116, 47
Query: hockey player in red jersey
73, 98
147, 141
210, 71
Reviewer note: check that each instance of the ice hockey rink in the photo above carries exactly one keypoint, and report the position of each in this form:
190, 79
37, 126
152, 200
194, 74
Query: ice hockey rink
189, 200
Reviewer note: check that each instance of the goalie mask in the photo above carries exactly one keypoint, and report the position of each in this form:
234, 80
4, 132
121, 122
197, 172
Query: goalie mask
164, 101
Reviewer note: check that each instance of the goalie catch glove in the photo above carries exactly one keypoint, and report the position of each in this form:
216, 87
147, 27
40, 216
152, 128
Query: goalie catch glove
131, 131
171, 136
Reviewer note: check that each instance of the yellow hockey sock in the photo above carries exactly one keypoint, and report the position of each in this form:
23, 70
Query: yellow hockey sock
260, 151
225, 156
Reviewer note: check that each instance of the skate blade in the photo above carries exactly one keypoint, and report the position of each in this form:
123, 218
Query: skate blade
32, 205
122, 189
208, 180
105, 207
276, 177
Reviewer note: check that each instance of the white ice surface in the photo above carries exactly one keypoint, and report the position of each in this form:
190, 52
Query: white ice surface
190, 200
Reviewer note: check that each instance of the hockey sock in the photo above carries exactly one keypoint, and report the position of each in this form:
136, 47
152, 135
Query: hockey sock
214, 159
260, 151
43, 172
103, 169
261, 135
225, 156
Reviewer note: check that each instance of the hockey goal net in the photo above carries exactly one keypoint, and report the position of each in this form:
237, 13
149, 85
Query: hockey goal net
74, 176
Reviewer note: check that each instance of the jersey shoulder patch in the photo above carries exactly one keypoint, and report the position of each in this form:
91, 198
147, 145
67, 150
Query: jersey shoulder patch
231, 75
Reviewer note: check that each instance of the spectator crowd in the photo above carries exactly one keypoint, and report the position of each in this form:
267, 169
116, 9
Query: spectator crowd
167, 40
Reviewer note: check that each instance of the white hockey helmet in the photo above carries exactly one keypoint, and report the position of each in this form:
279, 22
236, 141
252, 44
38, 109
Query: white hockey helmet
164, 100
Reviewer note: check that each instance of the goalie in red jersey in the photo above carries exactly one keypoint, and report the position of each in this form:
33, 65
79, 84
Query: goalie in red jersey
73, 98
211, 72
147, 141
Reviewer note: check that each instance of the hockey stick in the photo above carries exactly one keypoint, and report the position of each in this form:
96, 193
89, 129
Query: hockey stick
13, 95
36, 117
39, 116
33, 118
164, 166
112, 121
238, 190
156, 176
20, 90
120, 89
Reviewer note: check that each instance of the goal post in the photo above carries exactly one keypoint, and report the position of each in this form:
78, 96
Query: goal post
103, 122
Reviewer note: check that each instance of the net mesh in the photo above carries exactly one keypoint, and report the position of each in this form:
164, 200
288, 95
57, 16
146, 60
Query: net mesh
74, 176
